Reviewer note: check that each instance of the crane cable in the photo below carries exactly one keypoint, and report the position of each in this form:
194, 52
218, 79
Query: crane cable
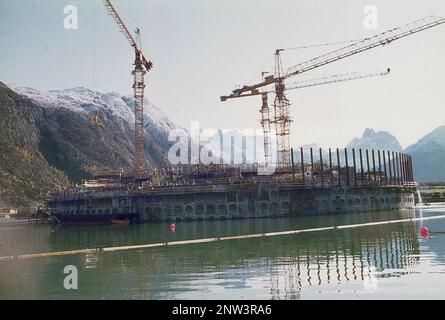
307, 47
94, 116
321, 45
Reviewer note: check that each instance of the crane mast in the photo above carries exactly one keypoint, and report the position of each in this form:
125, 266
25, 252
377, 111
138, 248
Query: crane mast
281, 103
282, 119
265, 123
138, 88
141, 66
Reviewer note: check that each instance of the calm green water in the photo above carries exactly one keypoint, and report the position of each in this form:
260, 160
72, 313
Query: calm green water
379, 262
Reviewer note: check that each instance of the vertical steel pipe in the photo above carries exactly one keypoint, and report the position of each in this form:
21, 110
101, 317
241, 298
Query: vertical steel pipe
321, 167
394, 167
384, 166
389, 166
367, 165
302, 164
347, 167
380, 166
293, 165
355, 166
330, 166
312, 165
338, 167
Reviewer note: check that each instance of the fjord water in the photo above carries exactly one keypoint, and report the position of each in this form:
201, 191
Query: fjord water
387, 261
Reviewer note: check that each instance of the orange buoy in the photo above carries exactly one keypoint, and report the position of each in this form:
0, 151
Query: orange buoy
172, 227
424, 232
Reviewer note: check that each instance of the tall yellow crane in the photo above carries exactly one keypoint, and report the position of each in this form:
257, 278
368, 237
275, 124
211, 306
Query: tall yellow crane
281, 105
141, 66
265, 111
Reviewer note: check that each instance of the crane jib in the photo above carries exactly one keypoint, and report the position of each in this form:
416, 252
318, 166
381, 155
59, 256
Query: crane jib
369, 43
311, 83
127, 34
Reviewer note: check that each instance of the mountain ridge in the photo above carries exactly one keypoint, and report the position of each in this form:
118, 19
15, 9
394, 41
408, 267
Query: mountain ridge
52, 130
428, 155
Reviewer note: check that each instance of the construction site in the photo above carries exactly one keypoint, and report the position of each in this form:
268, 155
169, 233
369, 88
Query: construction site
331, 181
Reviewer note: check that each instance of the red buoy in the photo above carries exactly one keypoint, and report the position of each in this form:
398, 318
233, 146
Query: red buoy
172, 227
424, 232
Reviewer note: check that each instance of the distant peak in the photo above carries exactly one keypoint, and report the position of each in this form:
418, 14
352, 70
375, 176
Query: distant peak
372, 139
368, 132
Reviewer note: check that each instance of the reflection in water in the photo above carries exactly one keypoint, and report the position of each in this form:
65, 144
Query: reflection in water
284, 267
340, 258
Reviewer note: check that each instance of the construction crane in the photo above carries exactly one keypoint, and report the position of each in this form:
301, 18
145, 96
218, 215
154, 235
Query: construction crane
282, 118
265, 114
141, 66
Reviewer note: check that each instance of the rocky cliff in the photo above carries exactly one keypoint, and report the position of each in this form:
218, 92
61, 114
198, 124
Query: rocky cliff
48, 141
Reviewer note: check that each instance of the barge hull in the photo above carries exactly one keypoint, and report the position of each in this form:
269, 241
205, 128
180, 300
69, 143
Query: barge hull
262, 200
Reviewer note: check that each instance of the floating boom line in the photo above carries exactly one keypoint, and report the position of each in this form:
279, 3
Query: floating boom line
210, 240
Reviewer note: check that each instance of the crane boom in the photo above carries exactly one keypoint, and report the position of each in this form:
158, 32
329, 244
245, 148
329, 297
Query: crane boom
334, 79
120, 22
360, 46
112, 11
314, 82
367, 44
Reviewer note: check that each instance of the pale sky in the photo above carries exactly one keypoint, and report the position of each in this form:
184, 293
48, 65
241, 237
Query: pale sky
201, 49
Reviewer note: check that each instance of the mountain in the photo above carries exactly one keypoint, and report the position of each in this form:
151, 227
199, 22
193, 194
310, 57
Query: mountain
48, 136
25, 175
429, 156
371, 139
428, 153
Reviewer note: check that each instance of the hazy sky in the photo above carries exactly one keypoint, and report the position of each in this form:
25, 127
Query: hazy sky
201, 49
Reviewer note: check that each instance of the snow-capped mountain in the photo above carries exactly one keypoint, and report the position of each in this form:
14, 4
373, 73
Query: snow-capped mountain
429, 156
86, 101
59, 121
